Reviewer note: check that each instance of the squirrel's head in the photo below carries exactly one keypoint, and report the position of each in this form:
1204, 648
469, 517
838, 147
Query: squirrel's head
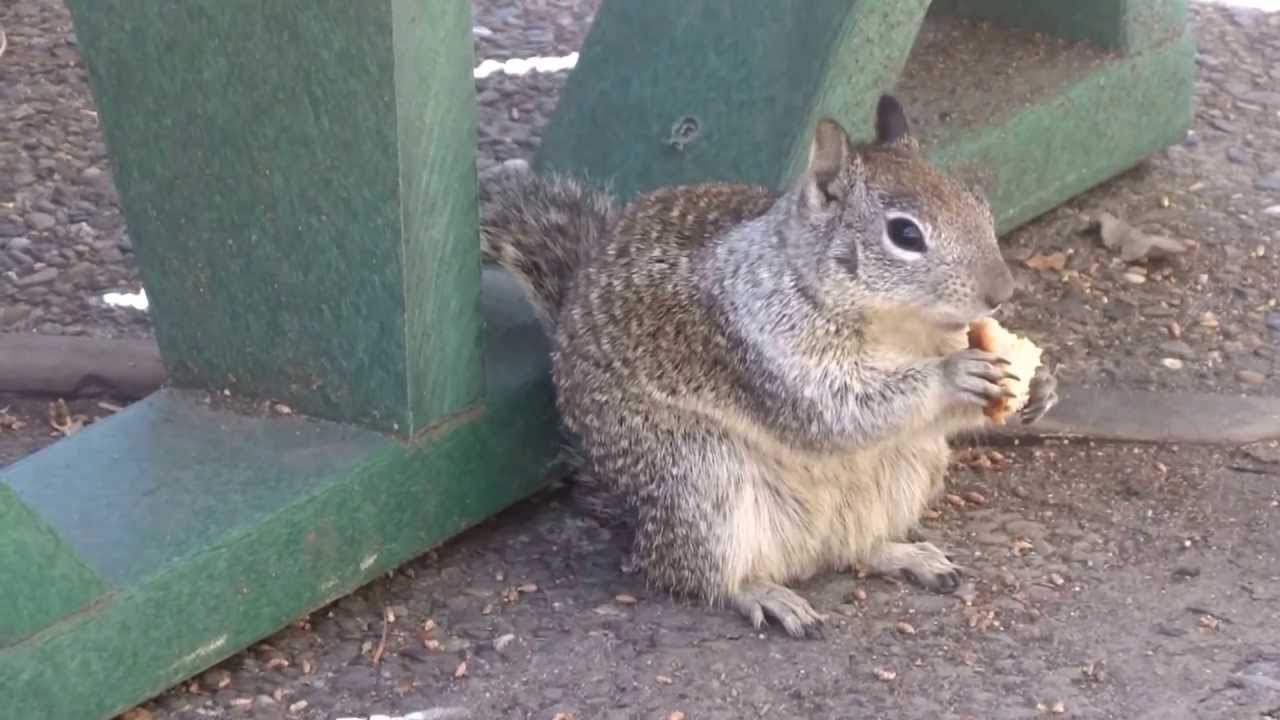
893, 230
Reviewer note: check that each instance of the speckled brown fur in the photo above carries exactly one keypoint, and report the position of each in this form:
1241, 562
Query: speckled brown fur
765, 382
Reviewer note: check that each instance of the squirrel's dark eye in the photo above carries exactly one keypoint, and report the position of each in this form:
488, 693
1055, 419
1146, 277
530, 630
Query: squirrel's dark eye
907, 235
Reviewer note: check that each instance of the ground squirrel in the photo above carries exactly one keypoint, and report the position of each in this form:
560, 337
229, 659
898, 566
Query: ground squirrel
764, 383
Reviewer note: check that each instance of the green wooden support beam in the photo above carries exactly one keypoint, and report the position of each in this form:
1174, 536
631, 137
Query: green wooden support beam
181, 530
1035, 100
731, 81
298, 179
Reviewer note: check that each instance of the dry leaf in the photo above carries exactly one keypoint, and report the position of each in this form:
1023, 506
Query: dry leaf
1133, 244
61, 419
1114, 231
1053, 261
9, 422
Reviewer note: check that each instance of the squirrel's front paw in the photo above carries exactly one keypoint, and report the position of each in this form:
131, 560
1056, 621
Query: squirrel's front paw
1043, 396
973, 376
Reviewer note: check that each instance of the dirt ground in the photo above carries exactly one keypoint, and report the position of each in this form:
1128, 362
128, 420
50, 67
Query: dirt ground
1103, 581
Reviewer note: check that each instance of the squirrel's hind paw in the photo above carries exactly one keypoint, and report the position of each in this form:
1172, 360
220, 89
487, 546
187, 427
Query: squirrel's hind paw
921, 563
760, 600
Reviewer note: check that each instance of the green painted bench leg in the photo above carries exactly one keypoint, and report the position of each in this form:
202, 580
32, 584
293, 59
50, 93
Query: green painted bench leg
750, 74
1035, 119
298, 179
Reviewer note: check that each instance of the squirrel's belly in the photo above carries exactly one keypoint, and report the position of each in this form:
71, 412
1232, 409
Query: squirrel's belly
851, 503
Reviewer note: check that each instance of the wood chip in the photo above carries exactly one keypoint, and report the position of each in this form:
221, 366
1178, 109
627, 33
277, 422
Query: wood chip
461, 670
9, 422
1053, 261
528, 588
61, 419
624, 599
382, 642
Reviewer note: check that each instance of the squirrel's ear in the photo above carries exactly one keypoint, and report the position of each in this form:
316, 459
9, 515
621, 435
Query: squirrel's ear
828, 157
891, 124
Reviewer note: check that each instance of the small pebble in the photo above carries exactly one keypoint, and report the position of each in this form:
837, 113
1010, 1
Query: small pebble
1268, 183
1251, 377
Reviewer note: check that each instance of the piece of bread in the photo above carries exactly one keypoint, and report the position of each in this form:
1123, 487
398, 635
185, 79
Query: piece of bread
1023, 356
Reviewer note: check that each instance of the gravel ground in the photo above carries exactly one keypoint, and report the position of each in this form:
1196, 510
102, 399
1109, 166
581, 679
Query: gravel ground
1103, 581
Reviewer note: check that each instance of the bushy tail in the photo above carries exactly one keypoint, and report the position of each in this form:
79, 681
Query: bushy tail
539, 228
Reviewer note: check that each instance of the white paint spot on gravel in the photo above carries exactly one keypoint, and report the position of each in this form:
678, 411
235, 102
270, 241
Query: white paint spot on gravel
137, 301
1264, 5
523, 66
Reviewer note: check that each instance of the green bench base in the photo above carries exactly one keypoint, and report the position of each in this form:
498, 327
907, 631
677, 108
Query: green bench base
1035, 121
177, 532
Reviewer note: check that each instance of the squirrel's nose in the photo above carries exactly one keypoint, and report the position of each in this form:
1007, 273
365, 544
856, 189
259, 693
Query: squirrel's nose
1000, 287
